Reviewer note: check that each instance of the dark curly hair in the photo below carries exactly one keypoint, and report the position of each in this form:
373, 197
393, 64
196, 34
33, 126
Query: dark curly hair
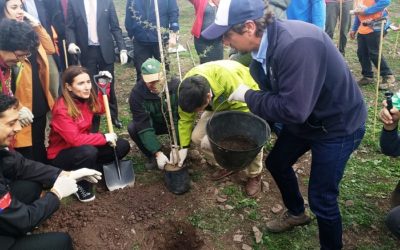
7, 102
17, 36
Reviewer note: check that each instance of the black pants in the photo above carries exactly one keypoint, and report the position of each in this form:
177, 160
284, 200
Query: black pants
27, 192
88, 156
367, 51
144, 51
37, 151
133, 132
94, 62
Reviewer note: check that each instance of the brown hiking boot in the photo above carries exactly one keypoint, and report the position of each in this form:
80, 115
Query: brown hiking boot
220, 174
287, 222
365, 80
387, 82
253, 186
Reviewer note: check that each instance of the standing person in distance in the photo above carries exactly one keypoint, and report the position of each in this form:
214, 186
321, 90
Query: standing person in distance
91, 28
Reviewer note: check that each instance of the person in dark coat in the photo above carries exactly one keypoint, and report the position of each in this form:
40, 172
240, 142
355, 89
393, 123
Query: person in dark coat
23, 206
306, 85
148, 109
91, 28
390, 145
141, 25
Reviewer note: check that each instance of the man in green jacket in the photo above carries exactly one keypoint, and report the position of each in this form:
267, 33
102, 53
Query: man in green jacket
148, 108
207, 88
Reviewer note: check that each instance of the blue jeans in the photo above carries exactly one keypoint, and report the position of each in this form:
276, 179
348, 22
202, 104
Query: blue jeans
329, 158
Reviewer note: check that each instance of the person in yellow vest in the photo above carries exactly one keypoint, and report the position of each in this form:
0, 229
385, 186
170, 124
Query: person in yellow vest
206, 88
368, 38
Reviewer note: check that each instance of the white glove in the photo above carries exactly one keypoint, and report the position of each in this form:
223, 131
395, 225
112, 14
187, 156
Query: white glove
162, 159
111, 138
25, 116
106, 74
123, 56
238, 94
86, 174
64, 186
173, 39
31, 19
205, 143
73, 49
182, 156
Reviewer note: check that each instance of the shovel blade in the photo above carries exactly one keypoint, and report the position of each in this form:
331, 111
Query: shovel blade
112, 179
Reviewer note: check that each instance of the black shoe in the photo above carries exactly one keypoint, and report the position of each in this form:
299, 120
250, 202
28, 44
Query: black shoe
117, 123
85, 193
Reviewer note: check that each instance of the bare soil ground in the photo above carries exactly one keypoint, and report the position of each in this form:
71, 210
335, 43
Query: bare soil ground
148, 216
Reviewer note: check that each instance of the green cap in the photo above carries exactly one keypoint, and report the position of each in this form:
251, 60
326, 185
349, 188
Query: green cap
151, 70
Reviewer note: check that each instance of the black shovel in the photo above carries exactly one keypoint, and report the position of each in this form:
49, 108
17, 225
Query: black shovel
117, 174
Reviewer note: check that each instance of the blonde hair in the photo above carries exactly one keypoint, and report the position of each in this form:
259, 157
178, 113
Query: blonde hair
67, 79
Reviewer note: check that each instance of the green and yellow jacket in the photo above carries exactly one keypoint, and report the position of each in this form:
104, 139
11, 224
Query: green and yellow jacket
147, 111
224, 77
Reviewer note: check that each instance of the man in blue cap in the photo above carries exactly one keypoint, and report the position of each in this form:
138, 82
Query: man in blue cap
306, 85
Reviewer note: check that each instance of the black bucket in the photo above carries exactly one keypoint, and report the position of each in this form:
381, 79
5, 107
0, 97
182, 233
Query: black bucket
231, 124
177, 180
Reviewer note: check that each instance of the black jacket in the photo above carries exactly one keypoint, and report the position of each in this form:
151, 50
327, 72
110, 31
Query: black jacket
308, 86
147, 112
107, 28
17, 218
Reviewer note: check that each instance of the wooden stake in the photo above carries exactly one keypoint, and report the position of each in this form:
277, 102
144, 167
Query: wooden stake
174, 147
379, 77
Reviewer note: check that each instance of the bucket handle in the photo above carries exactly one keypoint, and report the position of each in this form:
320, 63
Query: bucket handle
215, 111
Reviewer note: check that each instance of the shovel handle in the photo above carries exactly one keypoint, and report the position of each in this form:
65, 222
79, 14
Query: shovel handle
101, 86
108, 115
103, 89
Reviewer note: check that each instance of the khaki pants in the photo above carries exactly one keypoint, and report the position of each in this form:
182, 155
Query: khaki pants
199, 131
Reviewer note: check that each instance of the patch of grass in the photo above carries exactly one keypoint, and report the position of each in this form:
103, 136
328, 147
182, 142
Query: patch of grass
237, 198
197, 176
212, 220
298, 238
254, 215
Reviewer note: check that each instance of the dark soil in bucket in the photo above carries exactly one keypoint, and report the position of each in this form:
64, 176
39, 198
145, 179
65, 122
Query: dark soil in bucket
237, 143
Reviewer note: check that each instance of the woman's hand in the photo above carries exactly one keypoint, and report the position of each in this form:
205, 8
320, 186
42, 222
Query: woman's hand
31, 19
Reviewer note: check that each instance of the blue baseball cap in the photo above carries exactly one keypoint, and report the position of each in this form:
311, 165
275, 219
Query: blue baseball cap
231, 12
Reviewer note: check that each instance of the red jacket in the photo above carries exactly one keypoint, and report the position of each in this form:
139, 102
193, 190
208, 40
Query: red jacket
67, 132
199, 7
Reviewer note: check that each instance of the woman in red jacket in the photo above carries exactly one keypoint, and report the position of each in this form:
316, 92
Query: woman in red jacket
71, 143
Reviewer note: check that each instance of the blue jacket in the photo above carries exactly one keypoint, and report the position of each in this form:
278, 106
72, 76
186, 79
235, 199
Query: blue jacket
308, 87
310, 11
140, 19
